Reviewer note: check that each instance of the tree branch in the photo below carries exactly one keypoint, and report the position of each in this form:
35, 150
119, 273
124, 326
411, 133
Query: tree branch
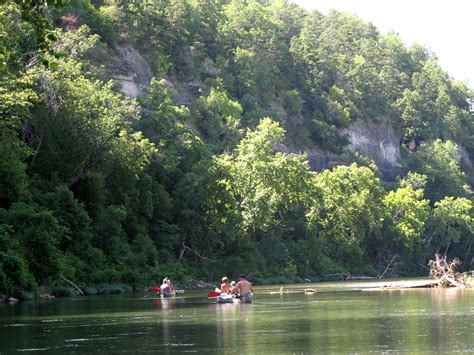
184, 247
74, 285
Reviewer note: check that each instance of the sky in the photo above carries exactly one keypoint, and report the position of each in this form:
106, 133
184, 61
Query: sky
446, 28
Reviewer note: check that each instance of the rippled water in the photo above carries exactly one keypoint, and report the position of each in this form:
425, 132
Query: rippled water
339, 318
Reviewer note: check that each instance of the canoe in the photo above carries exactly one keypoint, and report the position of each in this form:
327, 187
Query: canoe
225, 299
168, 295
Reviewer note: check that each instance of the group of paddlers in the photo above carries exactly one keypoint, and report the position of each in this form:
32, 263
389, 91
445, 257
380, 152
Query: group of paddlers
242, 288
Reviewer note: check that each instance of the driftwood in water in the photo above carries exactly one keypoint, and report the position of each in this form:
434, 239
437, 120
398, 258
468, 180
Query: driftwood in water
355, 278
445, 272
306, 291
412, 284
400, 284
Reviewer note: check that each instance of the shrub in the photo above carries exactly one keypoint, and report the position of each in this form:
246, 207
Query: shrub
62, 291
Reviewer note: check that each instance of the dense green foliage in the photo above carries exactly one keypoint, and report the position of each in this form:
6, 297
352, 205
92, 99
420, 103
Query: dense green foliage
196, 180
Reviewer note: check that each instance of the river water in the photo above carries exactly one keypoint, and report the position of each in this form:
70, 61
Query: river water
342, 317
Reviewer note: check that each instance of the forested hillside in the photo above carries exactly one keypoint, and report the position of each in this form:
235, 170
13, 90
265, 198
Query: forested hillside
204, 170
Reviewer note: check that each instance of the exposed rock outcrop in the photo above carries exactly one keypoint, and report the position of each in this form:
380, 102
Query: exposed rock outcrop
378, 142
320, 160
130, 71
464, 155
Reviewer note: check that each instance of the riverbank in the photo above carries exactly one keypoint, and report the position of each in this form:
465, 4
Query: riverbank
52, 292
371, 283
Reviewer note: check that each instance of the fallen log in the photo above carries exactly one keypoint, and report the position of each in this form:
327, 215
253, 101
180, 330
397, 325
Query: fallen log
355, 278
396, 285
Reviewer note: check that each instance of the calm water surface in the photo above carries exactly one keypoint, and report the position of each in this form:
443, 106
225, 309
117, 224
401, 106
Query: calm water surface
339, 318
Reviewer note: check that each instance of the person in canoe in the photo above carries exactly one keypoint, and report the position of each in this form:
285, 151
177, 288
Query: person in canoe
243, 287
225, 286
167, 287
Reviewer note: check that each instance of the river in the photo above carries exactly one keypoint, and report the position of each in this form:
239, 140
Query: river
341, 317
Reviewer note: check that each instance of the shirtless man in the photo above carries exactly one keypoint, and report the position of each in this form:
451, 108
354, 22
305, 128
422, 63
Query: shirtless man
243, 287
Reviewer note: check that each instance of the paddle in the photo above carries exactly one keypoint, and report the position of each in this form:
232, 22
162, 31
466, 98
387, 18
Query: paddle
213, 294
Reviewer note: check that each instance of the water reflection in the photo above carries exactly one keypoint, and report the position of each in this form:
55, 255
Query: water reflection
330, 321
167, 341
234, 324
165, 338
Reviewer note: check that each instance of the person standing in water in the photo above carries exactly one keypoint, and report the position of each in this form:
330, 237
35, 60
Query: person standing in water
243, 287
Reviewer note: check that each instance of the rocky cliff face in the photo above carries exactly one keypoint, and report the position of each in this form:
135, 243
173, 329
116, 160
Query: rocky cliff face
378, 142
130, 71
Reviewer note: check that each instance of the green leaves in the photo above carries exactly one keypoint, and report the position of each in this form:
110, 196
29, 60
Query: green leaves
439, 161
35, 238
451, 219
351, 203
163, 123
218, 118
119, 189
406, 213
34, 13
85, 126
262, 179
347, 214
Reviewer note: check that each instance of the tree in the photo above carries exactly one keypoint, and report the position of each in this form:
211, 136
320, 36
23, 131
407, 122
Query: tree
218, 118
450, 221
110, 236
81, 124
207, 214
349, 212
81, 257
431, 107
440, 163
17, 96
35, 234
263, 180
401, 241
14, 272
414, 180
163, 122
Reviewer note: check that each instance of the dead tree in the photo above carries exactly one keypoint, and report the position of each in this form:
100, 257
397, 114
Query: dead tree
446, 272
